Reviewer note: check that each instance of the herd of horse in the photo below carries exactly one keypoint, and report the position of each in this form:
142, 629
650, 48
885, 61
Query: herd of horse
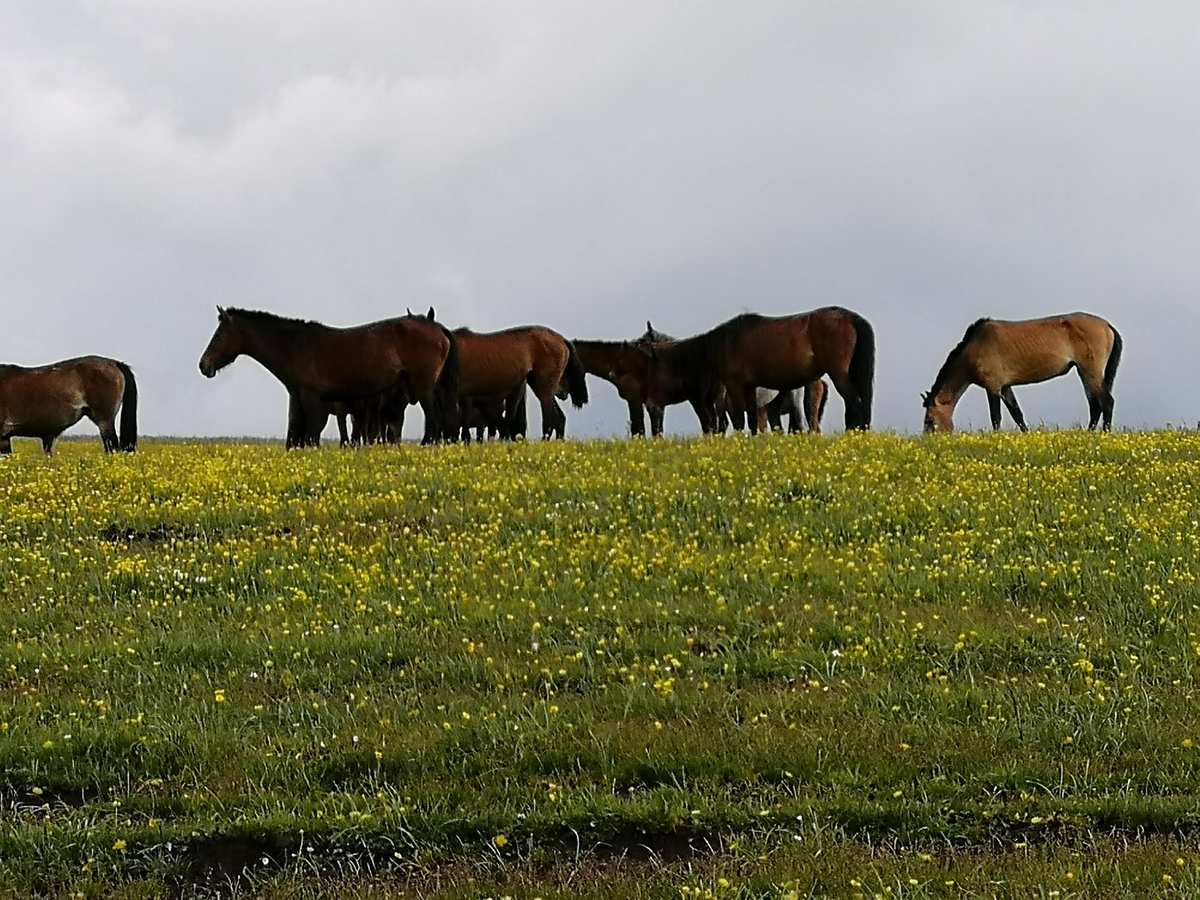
750, 371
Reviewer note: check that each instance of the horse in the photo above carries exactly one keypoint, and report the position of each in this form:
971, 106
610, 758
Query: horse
809, 401
782, 352
307, 417
44, 401
378, 420
501, 363
625, 367
996, 355
363, 362
492, 417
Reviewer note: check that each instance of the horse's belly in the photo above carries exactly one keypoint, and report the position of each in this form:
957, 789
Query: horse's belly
47, 421
485, 379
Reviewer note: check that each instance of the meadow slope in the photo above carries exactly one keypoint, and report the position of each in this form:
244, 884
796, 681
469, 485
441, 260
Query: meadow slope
733, 667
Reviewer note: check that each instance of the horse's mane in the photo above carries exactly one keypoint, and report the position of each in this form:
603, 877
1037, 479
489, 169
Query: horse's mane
653, 336
952, 360
272, 321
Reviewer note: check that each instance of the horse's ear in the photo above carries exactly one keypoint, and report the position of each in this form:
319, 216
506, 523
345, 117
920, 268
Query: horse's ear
429, 315
649, 327
220, 312
408, 311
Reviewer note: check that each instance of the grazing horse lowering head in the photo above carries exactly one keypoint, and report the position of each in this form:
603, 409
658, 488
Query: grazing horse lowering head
939, 416
226, 345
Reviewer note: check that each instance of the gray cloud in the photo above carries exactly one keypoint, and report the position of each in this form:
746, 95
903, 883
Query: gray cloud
589, 166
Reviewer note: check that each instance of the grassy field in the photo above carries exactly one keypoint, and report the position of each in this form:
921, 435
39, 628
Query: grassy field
774, 667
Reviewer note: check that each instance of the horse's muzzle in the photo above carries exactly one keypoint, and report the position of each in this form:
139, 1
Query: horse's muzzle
207, 369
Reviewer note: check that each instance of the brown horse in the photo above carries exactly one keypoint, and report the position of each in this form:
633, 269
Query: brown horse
752, 351
809, 402
44, 401
626, 367
378, 420
494, 417
997, 355
307, 417
409, 354
501, 363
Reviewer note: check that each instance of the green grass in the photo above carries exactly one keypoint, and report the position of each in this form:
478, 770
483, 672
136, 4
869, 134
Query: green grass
877, 665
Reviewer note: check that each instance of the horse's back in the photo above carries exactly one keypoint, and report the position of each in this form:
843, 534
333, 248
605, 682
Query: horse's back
1075, 330
789, 351
1032, 350
42, 401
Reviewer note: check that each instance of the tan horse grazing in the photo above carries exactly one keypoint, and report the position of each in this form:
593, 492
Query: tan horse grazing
501, 363
997, 355
45, 401
781, 352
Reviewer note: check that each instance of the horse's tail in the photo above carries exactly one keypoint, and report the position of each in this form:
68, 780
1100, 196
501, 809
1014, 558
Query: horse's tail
447, 390
451, 366
128, 436
1114, 360
862, 371
575, 377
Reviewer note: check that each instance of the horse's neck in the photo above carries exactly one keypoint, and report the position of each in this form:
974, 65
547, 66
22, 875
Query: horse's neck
599, 358
954, 387
277, 353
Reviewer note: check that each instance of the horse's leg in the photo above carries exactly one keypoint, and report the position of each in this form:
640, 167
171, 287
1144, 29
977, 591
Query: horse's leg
749, 400
107, 424
343, 436
707, 420
775, 411
994, 409
5, 446
48, 445
515, 421
637, 419
1106, 405
656, 420
554, 420
727, 413
768, 419
1010, 400
1095, 410
1093, 389
849, 394
813, 395
428, 402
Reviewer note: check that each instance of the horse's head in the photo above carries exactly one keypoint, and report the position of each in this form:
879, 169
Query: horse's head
225, 346
650, 367
939, 413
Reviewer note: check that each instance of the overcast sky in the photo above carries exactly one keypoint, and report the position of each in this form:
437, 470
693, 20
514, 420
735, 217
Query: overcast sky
589, 165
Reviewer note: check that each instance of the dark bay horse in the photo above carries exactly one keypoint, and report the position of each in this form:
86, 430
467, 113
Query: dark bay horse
752, 351
307, 417
44, 401
626, 367
410, 354
501, 363
996, 355
494, 417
